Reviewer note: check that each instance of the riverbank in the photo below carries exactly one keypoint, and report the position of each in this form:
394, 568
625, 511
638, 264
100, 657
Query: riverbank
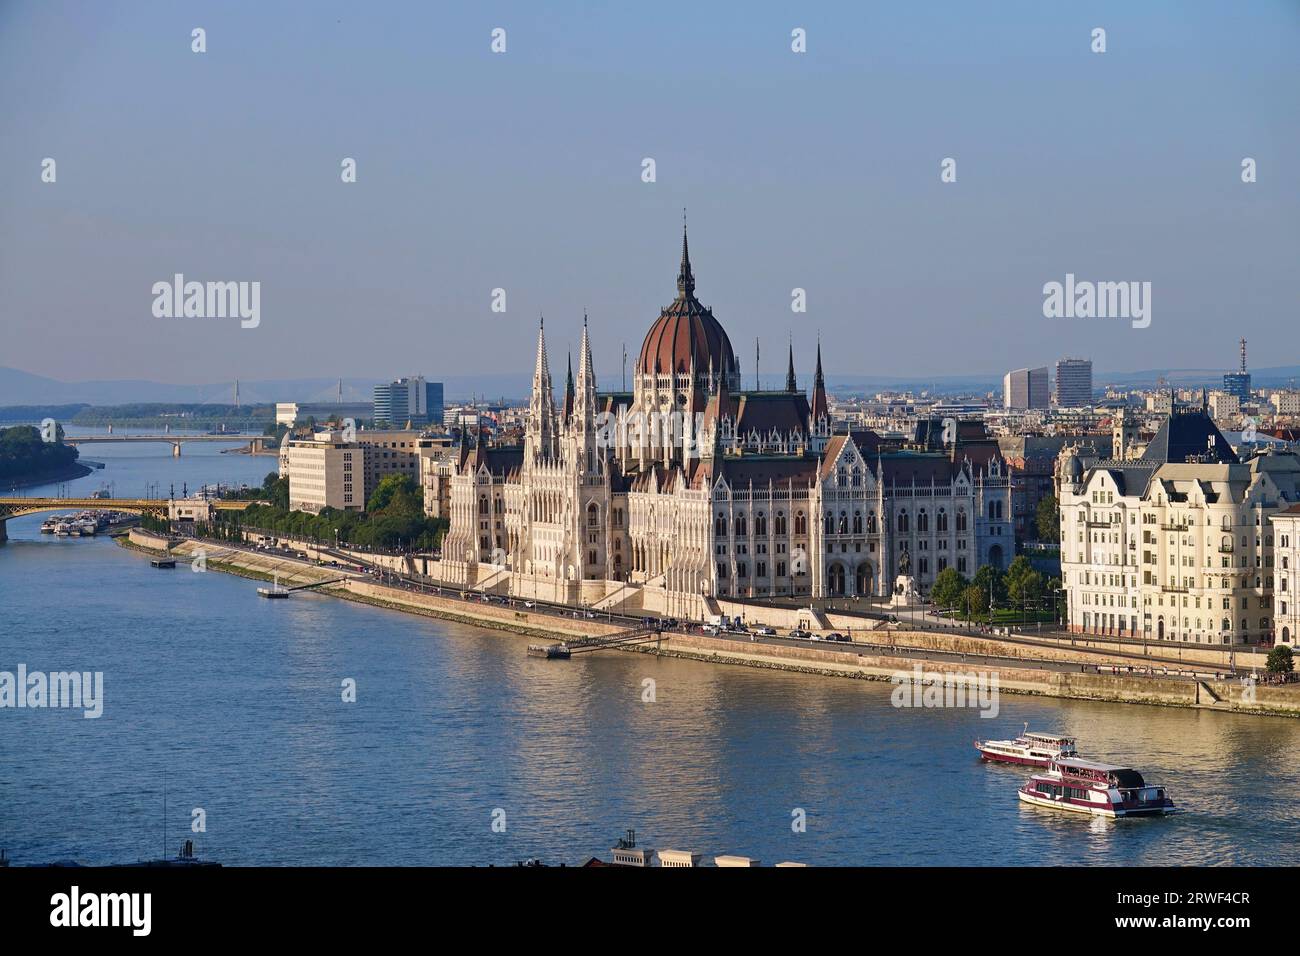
1044, 672
71, 473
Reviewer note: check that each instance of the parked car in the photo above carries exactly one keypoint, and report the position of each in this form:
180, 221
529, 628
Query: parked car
815, 637
711, 629
836, 636
530, 604
764, 631
800, 634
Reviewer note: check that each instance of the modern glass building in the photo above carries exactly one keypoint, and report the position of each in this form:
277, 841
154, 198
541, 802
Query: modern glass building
408, 400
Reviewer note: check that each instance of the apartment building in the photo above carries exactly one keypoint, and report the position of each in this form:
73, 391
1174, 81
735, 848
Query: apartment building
1176, 545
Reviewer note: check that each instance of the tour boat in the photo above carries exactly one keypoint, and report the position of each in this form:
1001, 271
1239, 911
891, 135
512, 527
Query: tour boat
1032, 750
1083, 786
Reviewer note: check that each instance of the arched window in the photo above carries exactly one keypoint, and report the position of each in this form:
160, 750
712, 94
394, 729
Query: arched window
593, 516
961, 519
871, 522
780, 522
922, 522
740, 525
941, 521
720, 525
902, 522
483, 504
760, 524
857, 522
830, 522
800, 523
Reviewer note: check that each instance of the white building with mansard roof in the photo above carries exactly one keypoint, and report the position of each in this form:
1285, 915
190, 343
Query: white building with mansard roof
1177, 545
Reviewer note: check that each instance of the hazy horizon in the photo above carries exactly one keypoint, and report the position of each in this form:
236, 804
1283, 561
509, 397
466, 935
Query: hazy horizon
522, 170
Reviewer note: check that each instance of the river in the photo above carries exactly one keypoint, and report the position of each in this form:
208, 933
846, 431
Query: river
459, 749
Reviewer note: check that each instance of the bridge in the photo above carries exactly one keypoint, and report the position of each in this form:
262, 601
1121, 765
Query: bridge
255, 442
17, 506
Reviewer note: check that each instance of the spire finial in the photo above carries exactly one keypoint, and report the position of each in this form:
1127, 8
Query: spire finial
790, 384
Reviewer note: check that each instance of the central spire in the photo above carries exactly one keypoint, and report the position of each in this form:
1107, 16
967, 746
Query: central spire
685, 278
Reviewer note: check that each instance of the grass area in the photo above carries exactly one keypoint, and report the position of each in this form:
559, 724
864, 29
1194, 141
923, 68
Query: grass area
1003, 616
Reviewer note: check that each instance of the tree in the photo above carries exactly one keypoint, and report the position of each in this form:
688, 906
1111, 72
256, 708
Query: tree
1024, 584
947, 588
397, 495
974, 602
990, 578
1280, 660
1048, 519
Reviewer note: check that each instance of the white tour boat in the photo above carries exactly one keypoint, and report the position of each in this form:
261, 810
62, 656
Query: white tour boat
1082, 786
1031, 750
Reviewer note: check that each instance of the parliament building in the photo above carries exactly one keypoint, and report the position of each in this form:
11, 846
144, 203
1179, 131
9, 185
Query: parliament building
690, 489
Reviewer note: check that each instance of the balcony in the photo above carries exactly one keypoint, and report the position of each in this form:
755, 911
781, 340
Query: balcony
1225, 549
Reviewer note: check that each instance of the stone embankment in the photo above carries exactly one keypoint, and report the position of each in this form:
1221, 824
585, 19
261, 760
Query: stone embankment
1046, 671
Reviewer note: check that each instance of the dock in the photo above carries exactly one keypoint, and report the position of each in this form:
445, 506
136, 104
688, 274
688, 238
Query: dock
163, 562
641, 634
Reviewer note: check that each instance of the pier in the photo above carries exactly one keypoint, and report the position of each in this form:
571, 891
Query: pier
641, 634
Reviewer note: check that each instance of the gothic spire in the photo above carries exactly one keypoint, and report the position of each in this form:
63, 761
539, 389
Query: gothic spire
586, 384
568, 390
820, 409
685, 278
790, 384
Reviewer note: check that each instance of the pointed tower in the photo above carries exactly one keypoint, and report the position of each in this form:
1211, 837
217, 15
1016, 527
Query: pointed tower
568, 392
583, 392
791, 385
820, 426
685, 278
582, 426
540, 439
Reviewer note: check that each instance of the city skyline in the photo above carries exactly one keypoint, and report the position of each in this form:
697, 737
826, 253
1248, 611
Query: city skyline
785, 187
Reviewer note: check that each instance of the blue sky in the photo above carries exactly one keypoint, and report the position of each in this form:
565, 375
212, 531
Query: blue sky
522, 171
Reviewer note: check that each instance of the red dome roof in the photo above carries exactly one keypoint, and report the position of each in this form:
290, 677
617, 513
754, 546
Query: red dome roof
686, 331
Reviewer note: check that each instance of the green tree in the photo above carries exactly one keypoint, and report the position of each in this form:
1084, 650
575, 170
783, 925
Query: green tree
990, 579
947, 588
974, 602
1280, 660
1024, 585
1048, 519
397, 495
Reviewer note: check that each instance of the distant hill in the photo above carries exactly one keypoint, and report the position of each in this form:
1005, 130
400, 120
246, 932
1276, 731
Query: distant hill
23, 388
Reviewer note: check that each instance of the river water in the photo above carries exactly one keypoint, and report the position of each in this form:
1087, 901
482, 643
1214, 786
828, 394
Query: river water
232, 705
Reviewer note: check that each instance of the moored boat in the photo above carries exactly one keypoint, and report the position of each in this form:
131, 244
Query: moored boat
1083, 786
1030, 750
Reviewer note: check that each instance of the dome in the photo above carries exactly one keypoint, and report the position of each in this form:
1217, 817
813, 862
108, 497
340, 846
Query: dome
686, 332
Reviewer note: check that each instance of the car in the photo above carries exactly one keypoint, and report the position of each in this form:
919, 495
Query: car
764, 631
836, 636
711, 629
815, 637
800, 634
530, 604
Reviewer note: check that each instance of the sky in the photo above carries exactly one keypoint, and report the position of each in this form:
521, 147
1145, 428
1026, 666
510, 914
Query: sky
523, 171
